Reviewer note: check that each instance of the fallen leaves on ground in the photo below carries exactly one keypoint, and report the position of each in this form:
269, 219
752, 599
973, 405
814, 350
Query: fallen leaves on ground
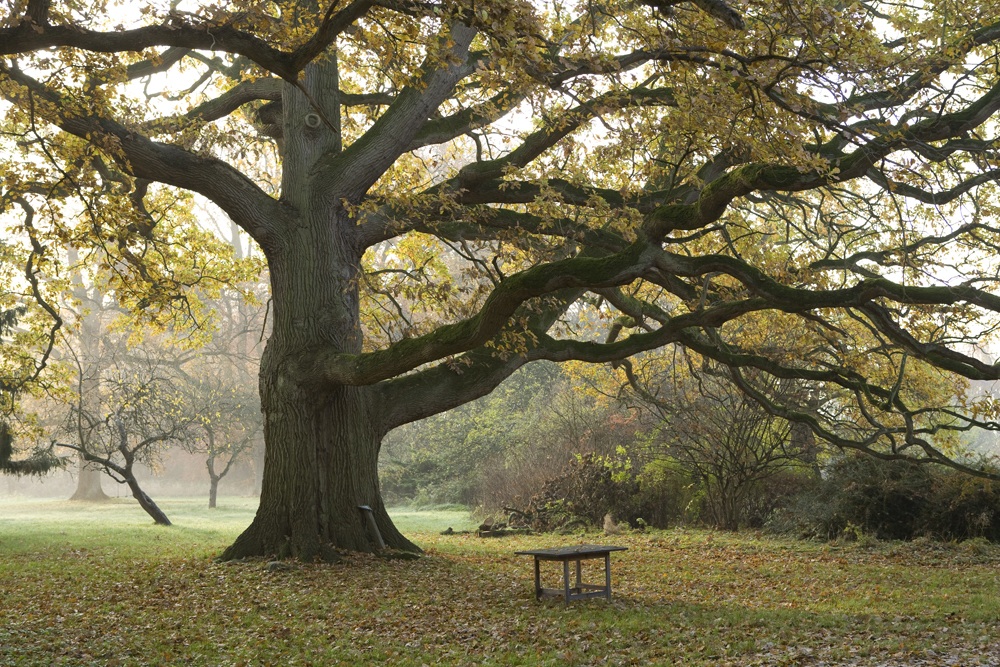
680, 597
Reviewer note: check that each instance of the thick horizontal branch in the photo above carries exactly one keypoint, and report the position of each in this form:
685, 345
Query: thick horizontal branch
386, 223
445, 386
566, 69
733, 357
466, 377
182, 31
716, 197
865, 297
510, 191
939, 198
322, 367
483, 224
240, 94
957, 124
879, 439
936, 354
795, 299
623, 268
249, 206
29, 37
161, 63
672, 331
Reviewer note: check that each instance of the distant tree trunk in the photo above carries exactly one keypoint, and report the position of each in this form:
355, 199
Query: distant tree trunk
88, 481
88, 484
213, 484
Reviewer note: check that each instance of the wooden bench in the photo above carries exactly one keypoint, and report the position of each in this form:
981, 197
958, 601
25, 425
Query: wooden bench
575, 554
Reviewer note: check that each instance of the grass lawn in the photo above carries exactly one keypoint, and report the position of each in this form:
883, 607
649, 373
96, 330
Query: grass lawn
101, 585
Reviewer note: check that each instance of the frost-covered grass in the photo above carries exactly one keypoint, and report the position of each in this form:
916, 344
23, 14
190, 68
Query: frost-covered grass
101, 585
432, 519
30, 523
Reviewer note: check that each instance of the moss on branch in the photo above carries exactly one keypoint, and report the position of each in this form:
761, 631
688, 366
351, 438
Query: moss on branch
576, 272
717, 195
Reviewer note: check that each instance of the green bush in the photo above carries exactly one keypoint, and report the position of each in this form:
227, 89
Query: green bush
887, 499
666, 492
767, 495
670, 494
965, 507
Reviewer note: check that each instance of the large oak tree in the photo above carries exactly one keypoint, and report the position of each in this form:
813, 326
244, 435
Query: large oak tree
462, 188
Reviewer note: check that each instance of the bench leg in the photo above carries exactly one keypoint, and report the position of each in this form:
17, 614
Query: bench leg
607, 575
538, 580
566, 581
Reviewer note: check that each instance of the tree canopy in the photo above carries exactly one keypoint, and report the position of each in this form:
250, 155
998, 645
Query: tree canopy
445, 191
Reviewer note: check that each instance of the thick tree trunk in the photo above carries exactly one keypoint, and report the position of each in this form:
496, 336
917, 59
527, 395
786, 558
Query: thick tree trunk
213, 492
322, 441
321, 467
257, 458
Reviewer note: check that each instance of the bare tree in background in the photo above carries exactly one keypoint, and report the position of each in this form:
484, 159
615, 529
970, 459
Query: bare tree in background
727, 442
228, 425
145, 413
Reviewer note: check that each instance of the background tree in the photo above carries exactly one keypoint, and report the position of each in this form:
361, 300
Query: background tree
91, 320
143, 412
731, 448
499, 450
686, 165
219, 382
228, 426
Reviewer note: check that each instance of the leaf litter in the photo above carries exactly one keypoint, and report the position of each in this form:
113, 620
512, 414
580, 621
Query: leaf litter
680, 597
